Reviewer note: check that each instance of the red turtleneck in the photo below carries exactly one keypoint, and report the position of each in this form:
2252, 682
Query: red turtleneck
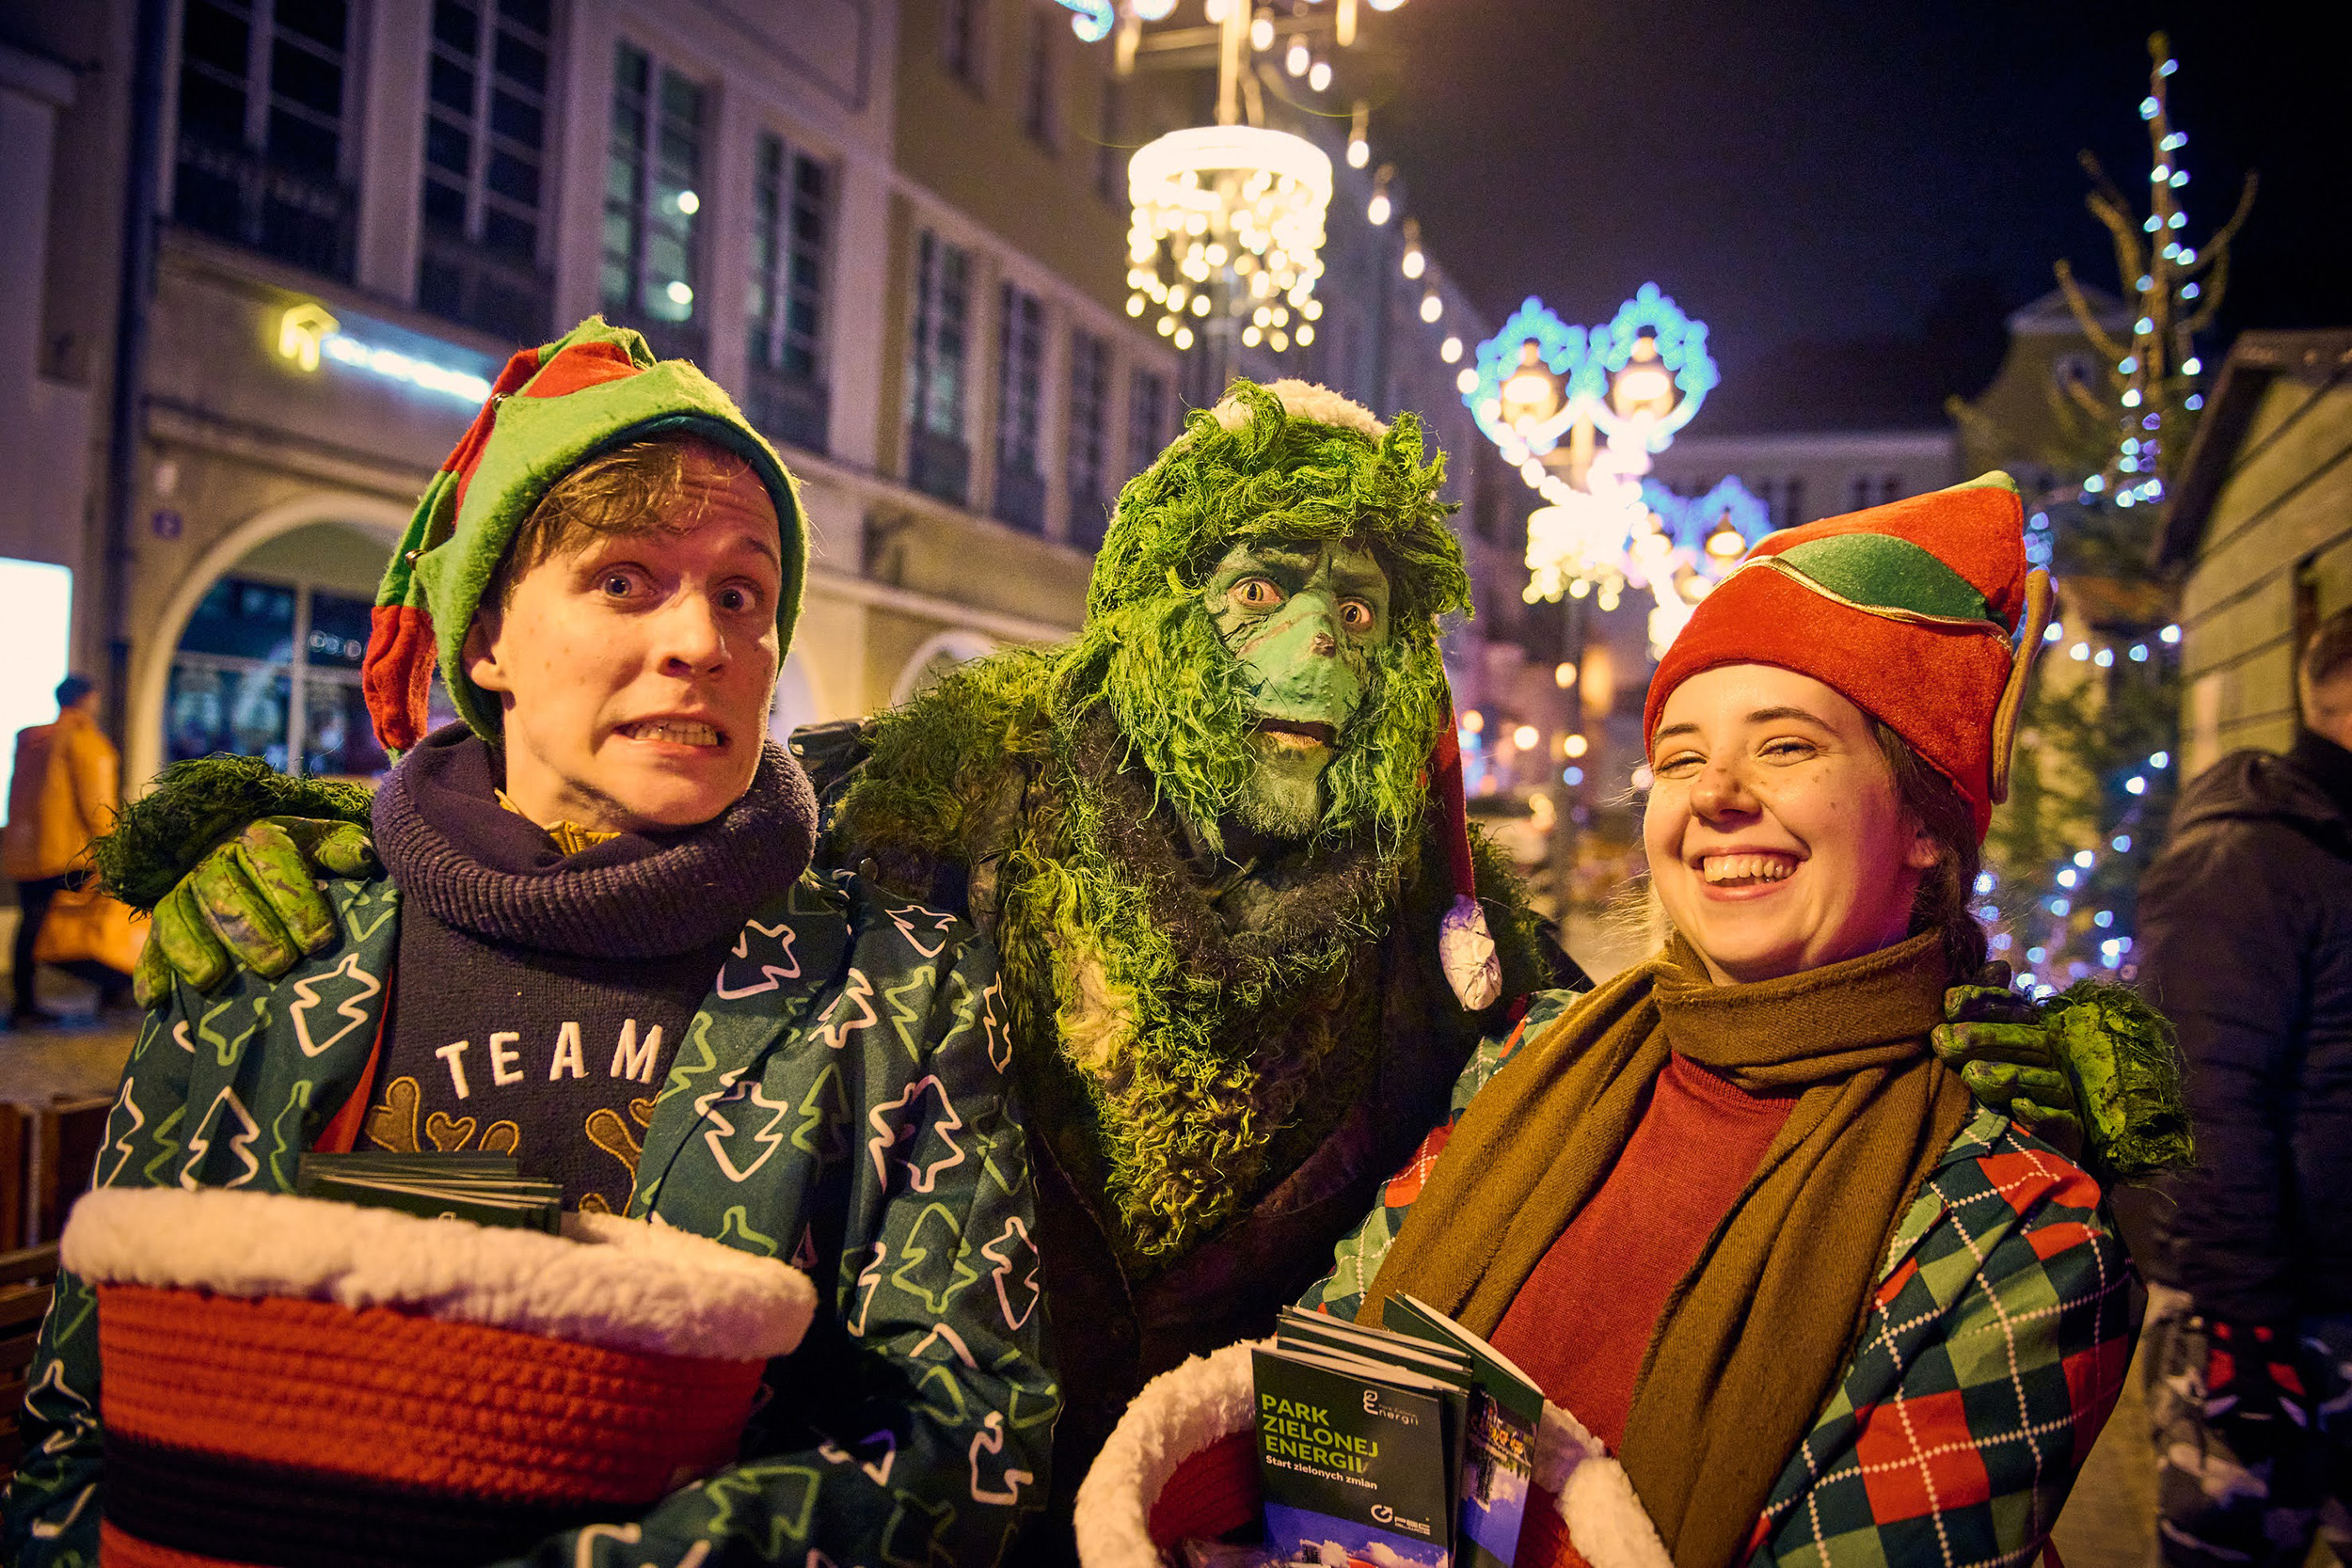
1582, 1322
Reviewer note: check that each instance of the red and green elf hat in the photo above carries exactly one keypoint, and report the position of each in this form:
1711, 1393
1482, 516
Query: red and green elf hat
1910, 610
551, 409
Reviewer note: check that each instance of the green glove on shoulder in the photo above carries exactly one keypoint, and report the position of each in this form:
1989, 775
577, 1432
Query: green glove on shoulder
2093, 1072
223, 853
252, 902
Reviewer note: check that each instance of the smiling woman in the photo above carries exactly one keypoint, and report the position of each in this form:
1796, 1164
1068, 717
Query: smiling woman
1677, 1198
1778, 840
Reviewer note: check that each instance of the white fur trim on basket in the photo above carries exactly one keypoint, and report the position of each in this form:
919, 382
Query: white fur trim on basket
1178, 1414
622, 1284
1606, 1522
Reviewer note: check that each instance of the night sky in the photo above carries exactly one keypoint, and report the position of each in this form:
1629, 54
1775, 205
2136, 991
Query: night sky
1869, 186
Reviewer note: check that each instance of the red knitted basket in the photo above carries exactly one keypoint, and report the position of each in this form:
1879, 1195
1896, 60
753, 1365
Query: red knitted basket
1215, 1490
275, 1383
444, 1407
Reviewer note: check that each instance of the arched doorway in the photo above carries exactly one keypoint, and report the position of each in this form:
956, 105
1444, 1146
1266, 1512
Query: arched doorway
257, 651
796, 700
938, 656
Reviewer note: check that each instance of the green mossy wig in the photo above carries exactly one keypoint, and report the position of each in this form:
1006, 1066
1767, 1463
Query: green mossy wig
1290, 462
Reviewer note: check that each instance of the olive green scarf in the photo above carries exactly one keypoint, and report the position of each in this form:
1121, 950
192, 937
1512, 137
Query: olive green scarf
1751, 1343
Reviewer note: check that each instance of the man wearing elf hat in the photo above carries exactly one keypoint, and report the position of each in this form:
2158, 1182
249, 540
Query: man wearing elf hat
1248, 940
1733, 1209
606, 573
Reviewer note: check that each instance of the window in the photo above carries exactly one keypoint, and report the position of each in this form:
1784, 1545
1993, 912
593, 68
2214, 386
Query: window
1089, 435
963, 38
1147, 417
484, 154
272, 671
938, 462
652, 196
791, 219
1020, 498
261, 153
1040, 114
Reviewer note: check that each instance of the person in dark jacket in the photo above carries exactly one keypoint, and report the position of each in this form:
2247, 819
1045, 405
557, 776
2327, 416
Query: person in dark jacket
2247, 922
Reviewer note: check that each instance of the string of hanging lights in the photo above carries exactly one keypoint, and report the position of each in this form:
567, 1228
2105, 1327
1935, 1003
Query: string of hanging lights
2177, 288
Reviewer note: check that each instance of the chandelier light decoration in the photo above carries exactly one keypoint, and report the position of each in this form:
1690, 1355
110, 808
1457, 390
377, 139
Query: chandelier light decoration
1226, 238
1611, 396
1229, 220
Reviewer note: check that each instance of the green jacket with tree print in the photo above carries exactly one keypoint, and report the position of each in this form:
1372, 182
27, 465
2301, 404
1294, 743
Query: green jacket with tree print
839, 1100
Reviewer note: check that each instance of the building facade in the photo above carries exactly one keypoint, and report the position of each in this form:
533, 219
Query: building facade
1801, 476
2260, 526
895, 233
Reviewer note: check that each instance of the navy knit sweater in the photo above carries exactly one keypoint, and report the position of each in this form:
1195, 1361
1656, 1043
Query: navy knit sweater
539, 996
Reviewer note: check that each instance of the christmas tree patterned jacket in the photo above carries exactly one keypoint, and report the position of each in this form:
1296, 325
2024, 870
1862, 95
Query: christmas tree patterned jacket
1994, 1347
839, 1100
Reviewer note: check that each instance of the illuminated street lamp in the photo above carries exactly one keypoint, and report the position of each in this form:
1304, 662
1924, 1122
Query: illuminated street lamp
1643, 388
1614, 394
1228, 220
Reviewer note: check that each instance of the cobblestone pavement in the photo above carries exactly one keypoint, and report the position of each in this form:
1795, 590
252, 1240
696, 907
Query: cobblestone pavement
76, 1060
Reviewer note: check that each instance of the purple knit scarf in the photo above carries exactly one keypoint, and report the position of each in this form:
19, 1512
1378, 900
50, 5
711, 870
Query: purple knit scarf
448, 844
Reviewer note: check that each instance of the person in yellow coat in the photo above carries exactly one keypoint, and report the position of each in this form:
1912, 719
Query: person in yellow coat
62, 795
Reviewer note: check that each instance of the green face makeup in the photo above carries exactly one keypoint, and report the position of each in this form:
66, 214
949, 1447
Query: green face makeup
1302, 621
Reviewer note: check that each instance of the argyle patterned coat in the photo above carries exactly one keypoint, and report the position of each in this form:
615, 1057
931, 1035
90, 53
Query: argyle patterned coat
839, 1100
1995, 1345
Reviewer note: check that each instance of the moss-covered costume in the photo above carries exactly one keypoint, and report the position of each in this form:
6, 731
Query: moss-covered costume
1217, 1061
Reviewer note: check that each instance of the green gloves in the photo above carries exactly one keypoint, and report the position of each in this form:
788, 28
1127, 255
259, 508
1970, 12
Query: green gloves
1997, 1042
2093, 1071
221, 851
253, 903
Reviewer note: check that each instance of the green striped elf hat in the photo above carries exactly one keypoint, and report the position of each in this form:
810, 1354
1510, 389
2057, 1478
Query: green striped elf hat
551, 409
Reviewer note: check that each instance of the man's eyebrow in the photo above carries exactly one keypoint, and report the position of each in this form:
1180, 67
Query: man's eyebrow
765, 545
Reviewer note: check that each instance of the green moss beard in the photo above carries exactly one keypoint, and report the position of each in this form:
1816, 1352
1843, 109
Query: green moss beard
1187, 705
1282, 798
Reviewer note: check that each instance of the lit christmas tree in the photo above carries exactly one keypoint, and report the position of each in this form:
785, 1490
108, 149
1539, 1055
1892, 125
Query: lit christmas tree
2153, 392
2094, 776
